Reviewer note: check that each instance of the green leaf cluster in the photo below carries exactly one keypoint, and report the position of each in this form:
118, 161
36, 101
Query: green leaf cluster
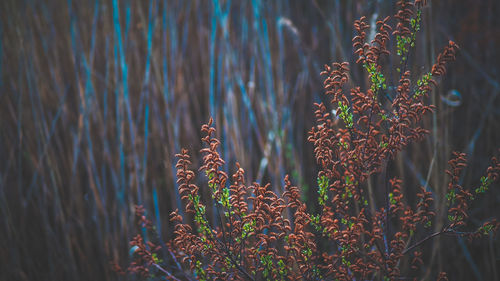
323, 183
485, 184
424, 81
345, 115
377, 79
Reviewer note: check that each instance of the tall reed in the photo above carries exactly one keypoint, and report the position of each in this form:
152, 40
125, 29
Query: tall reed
96, 97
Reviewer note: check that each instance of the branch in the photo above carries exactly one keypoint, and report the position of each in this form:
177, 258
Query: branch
169, 275
443, 231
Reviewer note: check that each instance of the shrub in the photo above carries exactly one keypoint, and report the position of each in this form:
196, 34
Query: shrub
359, 231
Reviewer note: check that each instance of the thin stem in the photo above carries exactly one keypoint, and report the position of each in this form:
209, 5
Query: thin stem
165, 271
445, 230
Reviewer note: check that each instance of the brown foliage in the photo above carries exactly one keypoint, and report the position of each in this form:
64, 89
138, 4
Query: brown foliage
260, 235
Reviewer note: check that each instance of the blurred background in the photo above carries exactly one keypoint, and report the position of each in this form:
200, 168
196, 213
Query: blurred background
97, 96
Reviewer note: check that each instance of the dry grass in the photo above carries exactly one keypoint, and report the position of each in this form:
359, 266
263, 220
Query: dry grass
96, 99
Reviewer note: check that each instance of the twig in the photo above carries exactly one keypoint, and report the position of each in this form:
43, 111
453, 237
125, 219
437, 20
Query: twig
425, 239
165, 271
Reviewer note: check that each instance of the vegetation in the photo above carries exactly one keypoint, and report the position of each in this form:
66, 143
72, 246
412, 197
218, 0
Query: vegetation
97, 98
360, 231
